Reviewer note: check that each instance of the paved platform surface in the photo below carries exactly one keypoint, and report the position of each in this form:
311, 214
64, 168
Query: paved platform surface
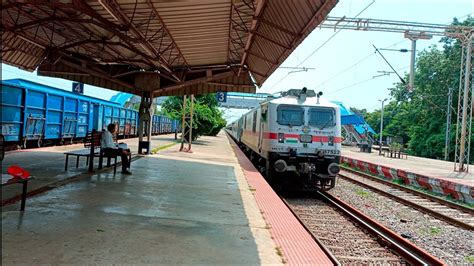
435, 175
177, 208
47, 164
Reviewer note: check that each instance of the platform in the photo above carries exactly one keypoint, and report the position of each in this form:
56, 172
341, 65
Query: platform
434, 175
177, 208
47, 164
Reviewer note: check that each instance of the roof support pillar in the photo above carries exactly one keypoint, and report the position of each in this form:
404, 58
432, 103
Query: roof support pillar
146, 83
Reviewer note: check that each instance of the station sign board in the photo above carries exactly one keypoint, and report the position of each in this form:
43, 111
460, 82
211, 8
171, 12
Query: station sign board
78, 87
221, 96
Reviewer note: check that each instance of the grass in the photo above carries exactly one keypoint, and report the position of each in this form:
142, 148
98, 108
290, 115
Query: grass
432, 231
398, 181
363, 193
159, 148
435, 230
469, 258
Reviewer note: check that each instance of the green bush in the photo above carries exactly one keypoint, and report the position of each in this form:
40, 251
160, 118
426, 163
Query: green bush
207, 118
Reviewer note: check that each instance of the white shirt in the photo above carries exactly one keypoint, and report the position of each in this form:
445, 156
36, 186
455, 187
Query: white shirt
107, 141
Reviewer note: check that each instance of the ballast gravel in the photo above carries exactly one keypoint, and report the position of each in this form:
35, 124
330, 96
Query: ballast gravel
453, 245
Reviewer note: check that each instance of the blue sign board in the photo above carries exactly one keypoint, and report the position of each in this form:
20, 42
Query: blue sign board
78, 87
221, 96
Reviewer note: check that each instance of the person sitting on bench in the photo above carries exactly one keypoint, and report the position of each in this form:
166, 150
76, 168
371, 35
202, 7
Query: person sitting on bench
111, 149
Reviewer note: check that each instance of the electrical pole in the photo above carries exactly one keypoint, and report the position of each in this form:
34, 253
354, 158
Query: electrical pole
381, 126
413, 37
411, 81
465, 102
448, 124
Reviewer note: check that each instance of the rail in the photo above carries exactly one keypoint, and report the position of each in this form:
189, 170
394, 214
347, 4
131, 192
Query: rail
316, 239
437, 214
398, 244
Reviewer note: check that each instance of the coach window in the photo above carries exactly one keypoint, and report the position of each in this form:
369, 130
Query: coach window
290, 115
322, 117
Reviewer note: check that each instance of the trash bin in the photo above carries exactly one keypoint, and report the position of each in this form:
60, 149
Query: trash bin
144, 145
363, 147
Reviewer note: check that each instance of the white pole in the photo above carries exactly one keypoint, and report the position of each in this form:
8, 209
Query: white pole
411, 83
381, 127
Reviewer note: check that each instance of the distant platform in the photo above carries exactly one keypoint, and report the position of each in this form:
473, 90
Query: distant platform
435, 175
176, 208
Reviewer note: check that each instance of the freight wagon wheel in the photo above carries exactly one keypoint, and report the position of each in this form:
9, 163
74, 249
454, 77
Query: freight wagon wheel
40, 142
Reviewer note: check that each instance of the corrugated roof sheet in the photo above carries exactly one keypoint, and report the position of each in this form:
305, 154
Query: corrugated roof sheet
108, 42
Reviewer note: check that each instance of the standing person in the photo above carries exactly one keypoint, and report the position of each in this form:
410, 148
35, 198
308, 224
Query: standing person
111, 149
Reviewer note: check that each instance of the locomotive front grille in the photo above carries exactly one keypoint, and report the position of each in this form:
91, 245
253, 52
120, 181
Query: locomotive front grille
305, 138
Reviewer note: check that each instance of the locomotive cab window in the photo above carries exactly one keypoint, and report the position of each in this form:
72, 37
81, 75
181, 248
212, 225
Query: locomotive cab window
322, 117
290, 115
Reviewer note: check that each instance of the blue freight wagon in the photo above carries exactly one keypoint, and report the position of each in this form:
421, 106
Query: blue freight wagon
33, 112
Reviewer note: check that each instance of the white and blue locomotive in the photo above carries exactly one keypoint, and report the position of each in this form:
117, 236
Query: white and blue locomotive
296, 139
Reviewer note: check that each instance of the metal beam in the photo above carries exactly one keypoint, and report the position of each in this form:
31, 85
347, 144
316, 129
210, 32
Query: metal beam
255, 23
89, 70
155, 11
197, 81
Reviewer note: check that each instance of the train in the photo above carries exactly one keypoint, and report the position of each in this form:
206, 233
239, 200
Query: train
33, 114
295, 140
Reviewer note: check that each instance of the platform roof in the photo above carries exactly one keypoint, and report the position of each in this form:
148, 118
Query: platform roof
194, 46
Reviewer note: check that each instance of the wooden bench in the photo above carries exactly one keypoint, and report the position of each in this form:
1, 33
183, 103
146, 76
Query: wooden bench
92, 149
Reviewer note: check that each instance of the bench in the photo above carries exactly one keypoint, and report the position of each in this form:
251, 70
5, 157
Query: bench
24, 190
395, 154
92, 149
78, 153
13, 181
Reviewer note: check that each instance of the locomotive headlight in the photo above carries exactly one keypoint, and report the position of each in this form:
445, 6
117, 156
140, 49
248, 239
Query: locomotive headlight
281, 137
280, 166
333, 168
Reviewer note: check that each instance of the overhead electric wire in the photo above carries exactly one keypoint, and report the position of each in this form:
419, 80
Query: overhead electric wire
355, 64
319, 47
357, 83
401, 79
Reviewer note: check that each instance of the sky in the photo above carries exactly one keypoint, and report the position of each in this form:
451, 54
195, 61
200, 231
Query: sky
345, 66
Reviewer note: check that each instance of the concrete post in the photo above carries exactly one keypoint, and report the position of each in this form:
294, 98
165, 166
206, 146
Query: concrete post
411, 82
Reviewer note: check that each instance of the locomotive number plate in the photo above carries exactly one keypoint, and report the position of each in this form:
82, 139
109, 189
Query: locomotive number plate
331, 152
306, 138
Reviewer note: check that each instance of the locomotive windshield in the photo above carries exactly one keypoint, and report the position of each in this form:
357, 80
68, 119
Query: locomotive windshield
322, 117
289, 115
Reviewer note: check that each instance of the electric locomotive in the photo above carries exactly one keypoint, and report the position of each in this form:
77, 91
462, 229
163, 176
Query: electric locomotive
296, 139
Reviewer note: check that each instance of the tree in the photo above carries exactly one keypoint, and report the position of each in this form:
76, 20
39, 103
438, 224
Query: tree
418, 117
207, 118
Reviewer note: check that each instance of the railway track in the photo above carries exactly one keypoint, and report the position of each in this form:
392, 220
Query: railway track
450, 212
353, 237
